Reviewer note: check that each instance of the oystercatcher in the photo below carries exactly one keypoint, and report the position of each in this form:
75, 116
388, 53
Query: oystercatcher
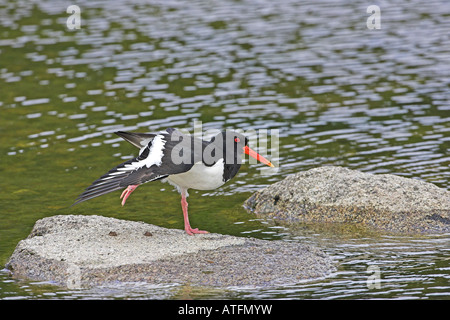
184, 161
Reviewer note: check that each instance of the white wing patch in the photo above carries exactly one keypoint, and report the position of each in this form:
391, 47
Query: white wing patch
154, 157
156, 152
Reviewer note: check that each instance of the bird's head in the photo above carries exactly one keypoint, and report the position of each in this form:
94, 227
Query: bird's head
234, 145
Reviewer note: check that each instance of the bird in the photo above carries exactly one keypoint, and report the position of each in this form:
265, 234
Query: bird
184, 161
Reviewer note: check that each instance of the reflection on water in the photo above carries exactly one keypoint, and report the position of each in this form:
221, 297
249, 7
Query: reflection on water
375, 100
339, 93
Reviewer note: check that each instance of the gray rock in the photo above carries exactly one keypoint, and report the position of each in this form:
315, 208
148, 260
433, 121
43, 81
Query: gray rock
339, 195
82, 251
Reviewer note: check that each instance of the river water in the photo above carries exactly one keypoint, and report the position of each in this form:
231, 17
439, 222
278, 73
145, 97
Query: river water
310, 75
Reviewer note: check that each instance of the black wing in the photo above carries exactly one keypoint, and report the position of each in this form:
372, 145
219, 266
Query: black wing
154, 162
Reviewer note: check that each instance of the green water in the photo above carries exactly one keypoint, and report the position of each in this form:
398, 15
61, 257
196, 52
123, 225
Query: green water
337, 92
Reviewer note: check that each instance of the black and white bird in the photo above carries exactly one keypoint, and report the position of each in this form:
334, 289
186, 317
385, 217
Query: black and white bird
184, 161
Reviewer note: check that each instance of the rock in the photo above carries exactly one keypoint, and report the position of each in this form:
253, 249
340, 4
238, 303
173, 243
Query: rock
83, 251
338, 195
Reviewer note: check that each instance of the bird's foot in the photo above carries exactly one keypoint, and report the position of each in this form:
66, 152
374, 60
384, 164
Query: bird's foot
126, 193
191, 231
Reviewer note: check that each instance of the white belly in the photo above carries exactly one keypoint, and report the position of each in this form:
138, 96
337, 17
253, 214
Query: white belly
200, 177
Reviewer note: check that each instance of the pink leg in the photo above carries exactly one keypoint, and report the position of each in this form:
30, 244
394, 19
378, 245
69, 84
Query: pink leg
126, 193
187, 226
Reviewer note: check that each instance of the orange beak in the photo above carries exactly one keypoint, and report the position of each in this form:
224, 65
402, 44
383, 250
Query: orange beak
257, 156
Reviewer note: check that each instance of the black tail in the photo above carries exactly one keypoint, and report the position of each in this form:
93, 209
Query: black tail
109, 182
98, 188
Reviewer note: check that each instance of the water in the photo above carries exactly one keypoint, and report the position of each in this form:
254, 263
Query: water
339, 94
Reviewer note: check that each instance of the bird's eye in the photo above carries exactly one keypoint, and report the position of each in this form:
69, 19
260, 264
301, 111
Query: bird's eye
237, 139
